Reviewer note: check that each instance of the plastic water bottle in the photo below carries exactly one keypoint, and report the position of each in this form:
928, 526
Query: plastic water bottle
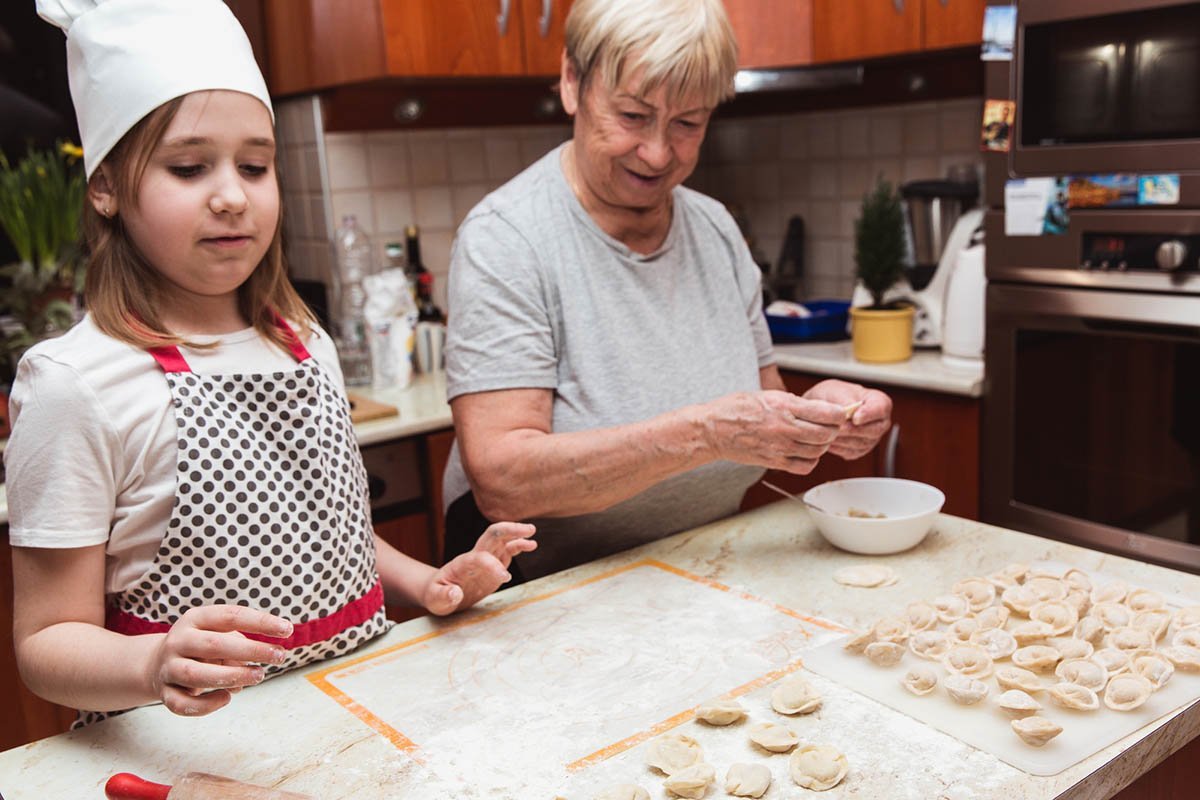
354, 264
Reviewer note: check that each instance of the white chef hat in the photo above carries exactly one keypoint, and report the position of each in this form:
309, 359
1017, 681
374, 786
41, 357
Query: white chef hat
126, 58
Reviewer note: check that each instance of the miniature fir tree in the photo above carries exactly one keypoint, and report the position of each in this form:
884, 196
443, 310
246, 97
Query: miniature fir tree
879, 241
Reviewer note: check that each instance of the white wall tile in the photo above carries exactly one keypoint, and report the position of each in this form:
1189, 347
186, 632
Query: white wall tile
430, 165
793, 137
318, 216
921, 132
849, 211
767, 181
359, 203
960, 127
854, 137
387, 159
502, 155
432, 208
921, 168
394, 209
822, 136
825, 257
824, 216
793, 179
728, 142
346, 161
887, 134
467, 163
855, 178
823, 179
765, 141
464, 198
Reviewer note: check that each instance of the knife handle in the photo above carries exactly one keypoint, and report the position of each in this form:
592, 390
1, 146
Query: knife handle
125, 786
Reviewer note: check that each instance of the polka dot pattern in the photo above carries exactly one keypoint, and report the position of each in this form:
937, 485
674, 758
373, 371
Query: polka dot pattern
271, 508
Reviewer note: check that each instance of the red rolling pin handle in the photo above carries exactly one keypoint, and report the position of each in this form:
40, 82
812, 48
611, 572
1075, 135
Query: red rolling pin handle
124, 786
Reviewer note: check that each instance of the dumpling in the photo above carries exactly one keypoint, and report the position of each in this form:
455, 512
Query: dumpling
996, 643
1047, 587
671, 753
624, 791
951, 607
965, 690
920, 679
817, 767
857, 644
1130, 638
1017, 703
920, 615
885, 654
1156, 622
775, 738
691, 781
1077, 579
1144, 600
1187, 617
891, 629
1112, 592
929, 644
961, 629
1111, 659
968, 659
1074, 696
1020, 599
1036, 657
979, 592
1035, 731
1154, 668
1031, 631
1127, 691
992, 617
795, 695
1057, 614
1091, 630
1070, 648
747, 780
866, 576
1112, 615
720, 712
1019, 678
1188, 637
1186, 659
1084, 672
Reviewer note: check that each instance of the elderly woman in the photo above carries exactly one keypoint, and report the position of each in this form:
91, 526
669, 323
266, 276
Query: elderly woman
608, 363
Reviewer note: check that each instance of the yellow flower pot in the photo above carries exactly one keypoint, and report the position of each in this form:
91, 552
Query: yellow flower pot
882, 336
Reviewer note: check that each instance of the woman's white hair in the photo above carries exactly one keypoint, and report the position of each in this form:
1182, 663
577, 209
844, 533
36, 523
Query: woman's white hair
686, 46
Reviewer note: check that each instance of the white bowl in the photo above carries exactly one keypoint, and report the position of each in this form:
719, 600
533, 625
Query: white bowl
908, 509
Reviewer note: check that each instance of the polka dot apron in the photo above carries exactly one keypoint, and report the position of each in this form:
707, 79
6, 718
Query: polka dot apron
271, 512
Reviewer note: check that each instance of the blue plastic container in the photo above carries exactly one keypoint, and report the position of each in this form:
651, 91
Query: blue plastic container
827, 323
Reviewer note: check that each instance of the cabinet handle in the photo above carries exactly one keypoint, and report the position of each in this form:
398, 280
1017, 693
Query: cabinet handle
889, 459
544, 19
502, 20
898, 5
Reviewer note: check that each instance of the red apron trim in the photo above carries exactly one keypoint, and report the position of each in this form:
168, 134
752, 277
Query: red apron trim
353, 613
171, 360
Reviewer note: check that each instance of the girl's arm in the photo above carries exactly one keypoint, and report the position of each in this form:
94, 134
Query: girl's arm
65, 654
462, 582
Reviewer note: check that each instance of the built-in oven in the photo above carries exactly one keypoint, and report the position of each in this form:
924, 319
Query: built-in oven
1091, 416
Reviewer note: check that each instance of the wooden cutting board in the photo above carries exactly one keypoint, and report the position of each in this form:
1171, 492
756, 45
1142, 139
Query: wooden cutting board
363, 409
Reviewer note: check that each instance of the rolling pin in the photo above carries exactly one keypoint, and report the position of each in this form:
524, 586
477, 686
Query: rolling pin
193, 786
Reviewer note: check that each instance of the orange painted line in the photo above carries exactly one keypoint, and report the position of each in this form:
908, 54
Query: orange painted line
321, 678
605, 753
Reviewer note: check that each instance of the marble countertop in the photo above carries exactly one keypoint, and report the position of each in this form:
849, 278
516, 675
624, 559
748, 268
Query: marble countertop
925, 370
287, 734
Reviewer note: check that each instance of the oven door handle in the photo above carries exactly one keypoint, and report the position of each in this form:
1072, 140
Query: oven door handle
1144, 328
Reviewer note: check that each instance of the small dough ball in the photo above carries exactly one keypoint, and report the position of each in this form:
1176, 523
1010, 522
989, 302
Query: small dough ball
691, 781
747, 780
795, 695
775, 738
624, 791
720, 712
867, 576
817, 767
674, 752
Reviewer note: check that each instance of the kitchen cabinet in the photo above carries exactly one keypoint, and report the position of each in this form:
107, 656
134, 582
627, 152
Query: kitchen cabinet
316, 44
849, 30
772, 33
934, 439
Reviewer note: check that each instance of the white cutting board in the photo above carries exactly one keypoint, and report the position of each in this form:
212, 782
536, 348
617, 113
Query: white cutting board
986, 727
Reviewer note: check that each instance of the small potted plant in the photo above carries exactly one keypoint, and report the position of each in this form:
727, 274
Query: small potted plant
41, 200
882, 331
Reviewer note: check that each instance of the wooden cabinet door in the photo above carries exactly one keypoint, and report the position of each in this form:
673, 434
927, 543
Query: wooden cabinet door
953, 23
847, 30
772, 33
542, 27
935, 439
443, 38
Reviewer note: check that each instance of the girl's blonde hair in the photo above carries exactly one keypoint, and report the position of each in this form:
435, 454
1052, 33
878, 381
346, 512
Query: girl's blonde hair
685, 45
123, 291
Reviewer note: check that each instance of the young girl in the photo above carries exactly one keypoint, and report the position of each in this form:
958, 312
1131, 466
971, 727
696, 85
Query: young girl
188, 506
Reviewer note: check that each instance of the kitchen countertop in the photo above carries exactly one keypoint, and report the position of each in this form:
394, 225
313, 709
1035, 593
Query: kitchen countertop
289, 735
925, 370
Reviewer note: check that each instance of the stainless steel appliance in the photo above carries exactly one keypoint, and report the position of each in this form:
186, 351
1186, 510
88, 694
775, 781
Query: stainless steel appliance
1092, 410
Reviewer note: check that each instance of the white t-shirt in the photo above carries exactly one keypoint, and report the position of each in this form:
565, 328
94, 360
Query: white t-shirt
92, 454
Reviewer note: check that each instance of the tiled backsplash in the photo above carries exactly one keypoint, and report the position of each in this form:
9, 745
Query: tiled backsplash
816, 165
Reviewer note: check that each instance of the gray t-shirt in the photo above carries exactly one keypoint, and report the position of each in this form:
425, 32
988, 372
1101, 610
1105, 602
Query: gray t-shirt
541, 297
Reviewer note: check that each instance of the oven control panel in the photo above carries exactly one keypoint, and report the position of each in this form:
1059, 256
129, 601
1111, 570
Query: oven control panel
1140, 252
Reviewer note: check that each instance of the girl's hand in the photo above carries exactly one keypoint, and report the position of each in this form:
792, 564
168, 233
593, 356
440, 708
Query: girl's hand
204, 658
473, 576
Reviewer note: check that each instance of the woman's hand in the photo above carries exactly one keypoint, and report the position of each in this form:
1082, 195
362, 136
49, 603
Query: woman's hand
772, 429
204, 658
862, 431
472, 576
